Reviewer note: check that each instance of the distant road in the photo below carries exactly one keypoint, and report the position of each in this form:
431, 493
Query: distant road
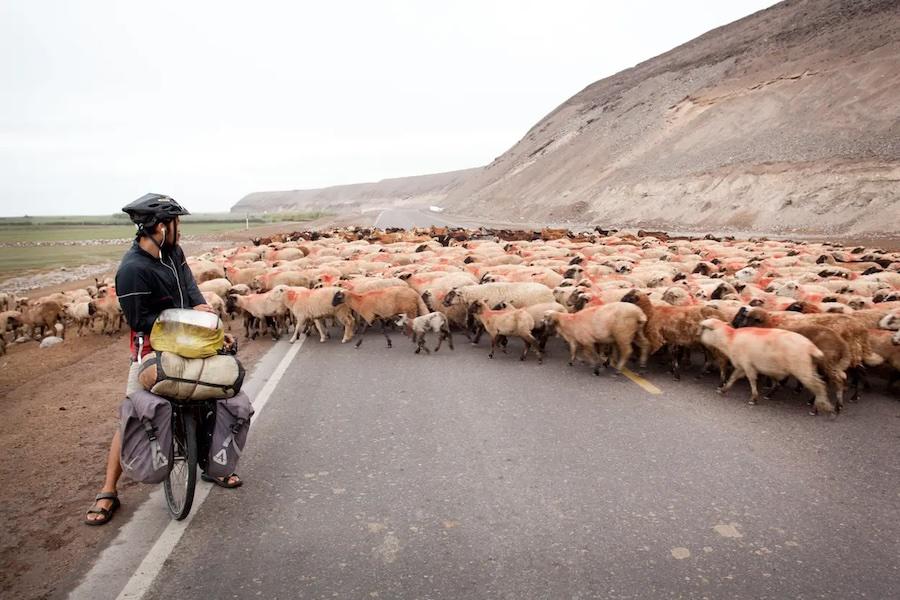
409, 217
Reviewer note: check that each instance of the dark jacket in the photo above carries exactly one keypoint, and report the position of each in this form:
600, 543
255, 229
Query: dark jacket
146, 286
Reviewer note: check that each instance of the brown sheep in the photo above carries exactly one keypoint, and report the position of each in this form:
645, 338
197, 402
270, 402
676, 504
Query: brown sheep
382, 305
42, 316
108, 309
619, 324
675, 327
313, 306
507, 322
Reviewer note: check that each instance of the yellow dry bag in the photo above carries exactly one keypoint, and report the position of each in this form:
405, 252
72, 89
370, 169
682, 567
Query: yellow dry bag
188, 333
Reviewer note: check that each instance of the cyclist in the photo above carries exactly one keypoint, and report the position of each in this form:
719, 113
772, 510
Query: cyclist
152, 277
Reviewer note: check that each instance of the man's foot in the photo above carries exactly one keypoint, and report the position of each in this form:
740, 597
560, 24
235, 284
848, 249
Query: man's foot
105, 506
232, 481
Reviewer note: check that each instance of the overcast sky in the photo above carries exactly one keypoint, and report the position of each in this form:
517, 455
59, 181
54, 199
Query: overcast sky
207, 101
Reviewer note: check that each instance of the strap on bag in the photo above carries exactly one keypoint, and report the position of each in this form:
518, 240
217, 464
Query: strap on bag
159, 459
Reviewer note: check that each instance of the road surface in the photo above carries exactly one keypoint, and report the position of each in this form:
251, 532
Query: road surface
377, 473
408, 218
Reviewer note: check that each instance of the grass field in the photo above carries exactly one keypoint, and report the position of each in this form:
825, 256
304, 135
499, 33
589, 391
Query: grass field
104, 227
59, 233
16, 260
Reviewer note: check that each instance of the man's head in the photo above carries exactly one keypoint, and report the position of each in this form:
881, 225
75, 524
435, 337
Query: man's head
157, 218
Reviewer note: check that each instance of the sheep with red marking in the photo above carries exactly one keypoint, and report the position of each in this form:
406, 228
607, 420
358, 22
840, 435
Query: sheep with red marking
618, 325
259, 309
506, 322
314, 306
381, 305
774, 352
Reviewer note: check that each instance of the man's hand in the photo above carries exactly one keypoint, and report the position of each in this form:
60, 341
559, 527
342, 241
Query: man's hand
205, 308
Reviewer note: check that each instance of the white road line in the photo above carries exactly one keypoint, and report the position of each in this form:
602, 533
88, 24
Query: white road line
152, 564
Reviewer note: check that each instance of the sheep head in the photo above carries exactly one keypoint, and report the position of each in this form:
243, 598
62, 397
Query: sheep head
573, 272
451, 297
339, 298
579, 300
633, 296
748, 316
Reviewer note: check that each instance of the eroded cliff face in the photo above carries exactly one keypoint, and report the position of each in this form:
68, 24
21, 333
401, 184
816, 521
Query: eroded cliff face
785, 121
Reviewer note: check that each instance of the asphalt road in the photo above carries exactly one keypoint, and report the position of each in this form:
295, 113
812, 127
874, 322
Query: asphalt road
377, 473
408, 218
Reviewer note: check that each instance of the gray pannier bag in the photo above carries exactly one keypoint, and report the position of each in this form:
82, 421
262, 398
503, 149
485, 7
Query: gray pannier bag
232, 423
146, 454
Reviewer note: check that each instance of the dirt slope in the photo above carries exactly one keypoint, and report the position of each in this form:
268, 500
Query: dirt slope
785, 121
420, 190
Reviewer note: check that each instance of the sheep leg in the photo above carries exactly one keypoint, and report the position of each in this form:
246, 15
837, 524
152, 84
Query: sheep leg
273, 327
623, 346
735, 375
321, 327
837, 380
493, 345
573, 352
644, 345
348, 330
296, 334
365, 326
384, 327
529, 343
420, 343
479, 329
775, 384
674, 351
814, 384
855, 378
440, 339
754, 392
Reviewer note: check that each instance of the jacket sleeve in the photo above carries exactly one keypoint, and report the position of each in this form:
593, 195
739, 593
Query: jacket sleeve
189, 282
134, 297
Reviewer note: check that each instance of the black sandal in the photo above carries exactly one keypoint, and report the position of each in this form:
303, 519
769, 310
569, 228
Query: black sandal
107, 513
223, 481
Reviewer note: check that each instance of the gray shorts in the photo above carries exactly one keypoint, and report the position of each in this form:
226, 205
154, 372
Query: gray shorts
132, 385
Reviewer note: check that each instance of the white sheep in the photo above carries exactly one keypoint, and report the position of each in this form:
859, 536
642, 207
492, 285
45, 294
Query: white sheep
81, 313
515, 294
777, 353
436, 322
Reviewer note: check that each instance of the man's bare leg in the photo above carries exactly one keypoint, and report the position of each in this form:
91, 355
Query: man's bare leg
113, 472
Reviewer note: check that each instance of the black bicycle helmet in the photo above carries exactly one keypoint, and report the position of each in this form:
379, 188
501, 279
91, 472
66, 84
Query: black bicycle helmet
150, 209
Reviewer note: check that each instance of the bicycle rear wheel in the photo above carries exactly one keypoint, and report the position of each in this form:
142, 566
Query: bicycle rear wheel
182, 478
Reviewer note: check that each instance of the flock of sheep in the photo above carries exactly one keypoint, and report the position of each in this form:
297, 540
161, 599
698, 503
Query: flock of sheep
820, 313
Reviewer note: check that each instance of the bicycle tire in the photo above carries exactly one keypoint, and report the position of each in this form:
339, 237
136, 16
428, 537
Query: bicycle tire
182, 479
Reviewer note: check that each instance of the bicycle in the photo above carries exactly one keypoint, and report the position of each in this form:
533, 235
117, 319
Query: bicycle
190, 441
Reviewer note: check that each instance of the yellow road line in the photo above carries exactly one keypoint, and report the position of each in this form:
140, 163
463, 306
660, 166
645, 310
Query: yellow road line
646, 385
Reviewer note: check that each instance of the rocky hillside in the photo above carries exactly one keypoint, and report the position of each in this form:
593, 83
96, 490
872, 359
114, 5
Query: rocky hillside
421, 190
785, 121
